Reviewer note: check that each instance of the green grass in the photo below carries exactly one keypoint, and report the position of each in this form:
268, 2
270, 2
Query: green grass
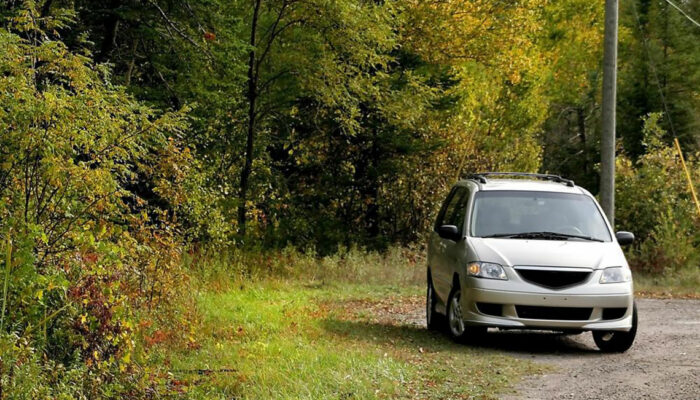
679, 283
282, 340
317, 330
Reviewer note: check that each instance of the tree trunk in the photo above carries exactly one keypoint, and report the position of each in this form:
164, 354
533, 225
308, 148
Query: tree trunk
252, 96
581, 122
372, 189
111, 26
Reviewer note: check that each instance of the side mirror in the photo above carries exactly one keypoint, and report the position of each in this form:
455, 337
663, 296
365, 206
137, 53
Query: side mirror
624, 238
448, 232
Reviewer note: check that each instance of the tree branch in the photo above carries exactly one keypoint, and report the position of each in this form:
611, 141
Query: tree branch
170, 24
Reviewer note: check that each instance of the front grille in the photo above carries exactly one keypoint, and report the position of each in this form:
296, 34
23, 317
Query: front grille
553, 279
560, 313
490, 309
614, 313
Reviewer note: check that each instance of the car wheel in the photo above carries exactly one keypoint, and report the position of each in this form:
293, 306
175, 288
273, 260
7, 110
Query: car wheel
456, 327
614, 341
433, 319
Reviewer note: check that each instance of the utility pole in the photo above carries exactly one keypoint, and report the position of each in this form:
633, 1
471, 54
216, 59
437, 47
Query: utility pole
607, 140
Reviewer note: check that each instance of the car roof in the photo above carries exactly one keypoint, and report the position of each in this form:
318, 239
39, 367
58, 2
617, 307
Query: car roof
531, 185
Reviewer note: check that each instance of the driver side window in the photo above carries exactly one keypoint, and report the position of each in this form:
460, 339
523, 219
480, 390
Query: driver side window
454, 209
460, 211
446, 209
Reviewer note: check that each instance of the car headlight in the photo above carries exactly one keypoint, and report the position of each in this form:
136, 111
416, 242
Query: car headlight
615, 275
486, 270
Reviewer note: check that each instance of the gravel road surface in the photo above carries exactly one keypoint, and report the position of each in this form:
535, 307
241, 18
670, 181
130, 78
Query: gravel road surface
663, 363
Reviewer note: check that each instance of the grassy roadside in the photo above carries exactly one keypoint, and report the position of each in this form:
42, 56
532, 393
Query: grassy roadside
319, 331
679, 284
282, 340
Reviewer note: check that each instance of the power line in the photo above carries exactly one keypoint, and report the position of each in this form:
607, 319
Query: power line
683, 12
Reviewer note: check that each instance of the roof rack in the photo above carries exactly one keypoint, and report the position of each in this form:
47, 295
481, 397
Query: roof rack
481, 177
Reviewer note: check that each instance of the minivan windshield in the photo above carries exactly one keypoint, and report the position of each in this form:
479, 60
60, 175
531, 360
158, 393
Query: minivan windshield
537, 215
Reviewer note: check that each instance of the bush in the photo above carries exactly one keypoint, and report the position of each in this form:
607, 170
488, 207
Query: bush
87, 176
653, 200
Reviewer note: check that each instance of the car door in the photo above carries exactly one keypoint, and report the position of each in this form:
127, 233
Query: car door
435, 248
442, 260
454, 251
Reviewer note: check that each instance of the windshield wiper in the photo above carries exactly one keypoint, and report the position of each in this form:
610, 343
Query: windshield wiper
501, 235
542, 235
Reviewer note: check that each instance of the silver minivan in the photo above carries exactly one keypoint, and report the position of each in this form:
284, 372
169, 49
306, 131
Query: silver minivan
532, 253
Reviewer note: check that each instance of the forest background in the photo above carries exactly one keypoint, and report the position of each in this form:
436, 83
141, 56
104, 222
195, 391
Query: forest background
143, 142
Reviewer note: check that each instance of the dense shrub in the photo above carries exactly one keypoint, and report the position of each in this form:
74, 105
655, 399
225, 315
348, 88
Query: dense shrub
653, 200
87, 176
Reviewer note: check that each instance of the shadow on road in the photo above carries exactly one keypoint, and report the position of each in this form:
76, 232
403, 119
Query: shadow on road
512, 341
535, 342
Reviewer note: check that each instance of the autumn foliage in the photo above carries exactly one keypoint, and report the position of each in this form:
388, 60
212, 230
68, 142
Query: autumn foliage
127, 128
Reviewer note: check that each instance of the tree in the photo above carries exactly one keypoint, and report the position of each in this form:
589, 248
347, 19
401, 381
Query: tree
310, 116
309, 49
659, 58
573, 41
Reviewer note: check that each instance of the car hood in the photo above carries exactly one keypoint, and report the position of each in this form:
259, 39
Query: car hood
559, 253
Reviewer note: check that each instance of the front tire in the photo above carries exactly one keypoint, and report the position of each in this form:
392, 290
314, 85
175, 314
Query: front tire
456, 327
614, 341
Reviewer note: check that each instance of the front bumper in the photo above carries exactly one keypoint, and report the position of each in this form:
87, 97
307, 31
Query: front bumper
513, 302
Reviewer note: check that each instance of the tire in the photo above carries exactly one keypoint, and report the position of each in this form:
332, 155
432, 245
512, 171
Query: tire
433, 319
615, 341
456, 328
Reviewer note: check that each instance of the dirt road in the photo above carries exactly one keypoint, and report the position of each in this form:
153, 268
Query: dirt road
664, 362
